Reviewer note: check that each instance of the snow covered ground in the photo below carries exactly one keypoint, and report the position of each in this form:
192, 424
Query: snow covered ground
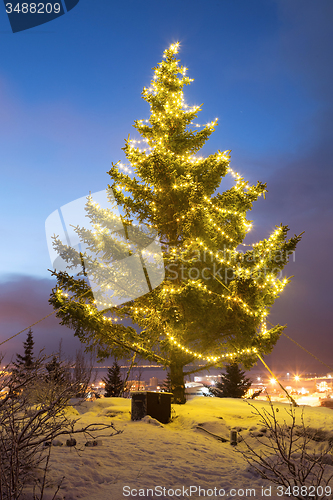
172, 460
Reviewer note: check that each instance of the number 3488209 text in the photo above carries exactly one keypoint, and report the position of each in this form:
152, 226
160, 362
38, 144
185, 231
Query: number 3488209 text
33, 8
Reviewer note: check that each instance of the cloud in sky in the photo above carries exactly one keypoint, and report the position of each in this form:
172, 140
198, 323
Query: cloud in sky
23, 301
44, 123
300, 176
306, 40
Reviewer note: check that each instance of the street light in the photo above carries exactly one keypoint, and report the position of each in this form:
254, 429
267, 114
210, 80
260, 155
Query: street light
297, 379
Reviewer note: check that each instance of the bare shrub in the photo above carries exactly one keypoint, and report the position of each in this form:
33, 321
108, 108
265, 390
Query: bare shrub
27, 424
327, 404
75, 374
291, 454
81, 372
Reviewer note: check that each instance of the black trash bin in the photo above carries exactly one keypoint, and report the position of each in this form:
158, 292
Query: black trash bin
155, 404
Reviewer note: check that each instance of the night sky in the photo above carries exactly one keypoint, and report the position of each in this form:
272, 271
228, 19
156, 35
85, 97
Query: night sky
70, 92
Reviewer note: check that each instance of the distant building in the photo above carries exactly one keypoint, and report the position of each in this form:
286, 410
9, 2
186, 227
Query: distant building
153, 382
207, 379
136, 385
193, 389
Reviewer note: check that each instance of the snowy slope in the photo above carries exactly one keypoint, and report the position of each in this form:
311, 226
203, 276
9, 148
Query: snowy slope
175, 456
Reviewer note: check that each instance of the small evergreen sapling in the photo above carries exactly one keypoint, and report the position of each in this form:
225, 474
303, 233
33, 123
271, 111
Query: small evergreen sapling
233, 383
114, 384
167, 384
25, 363
55, 371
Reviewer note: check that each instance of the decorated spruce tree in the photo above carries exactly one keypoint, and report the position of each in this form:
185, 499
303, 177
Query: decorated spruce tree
215, 293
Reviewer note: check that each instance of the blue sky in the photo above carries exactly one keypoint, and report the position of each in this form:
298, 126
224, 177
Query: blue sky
70, 92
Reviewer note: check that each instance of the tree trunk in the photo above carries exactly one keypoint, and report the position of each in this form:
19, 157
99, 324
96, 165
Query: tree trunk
177, 382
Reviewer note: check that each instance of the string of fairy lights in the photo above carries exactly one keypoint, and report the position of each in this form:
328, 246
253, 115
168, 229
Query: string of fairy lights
92, 311
247, 225
172, 290
172, 338
210, 358
234, 254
